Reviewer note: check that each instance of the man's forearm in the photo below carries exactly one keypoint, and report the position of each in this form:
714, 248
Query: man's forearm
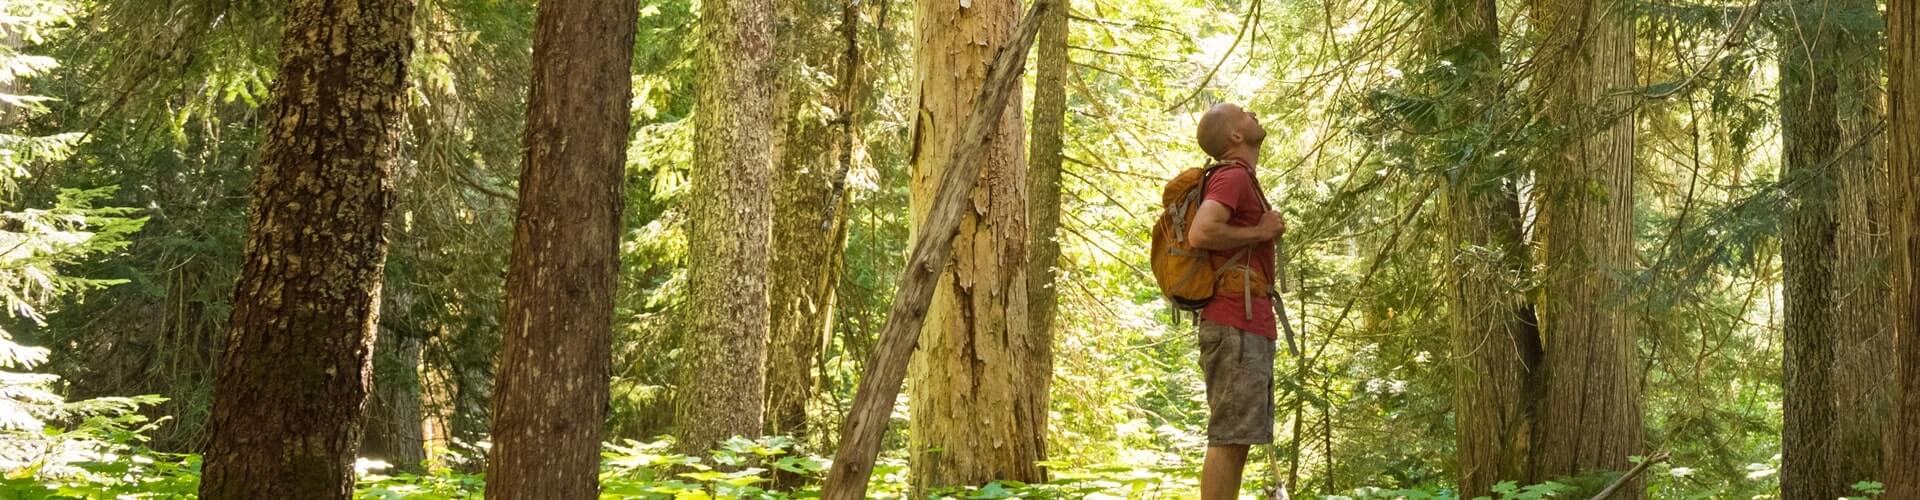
1229, 237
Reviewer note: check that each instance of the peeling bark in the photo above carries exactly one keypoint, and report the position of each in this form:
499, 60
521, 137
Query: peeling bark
934, 247
979, 408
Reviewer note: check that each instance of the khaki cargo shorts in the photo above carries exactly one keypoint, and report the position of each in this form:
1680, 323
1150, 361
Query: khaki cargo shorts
1239, 372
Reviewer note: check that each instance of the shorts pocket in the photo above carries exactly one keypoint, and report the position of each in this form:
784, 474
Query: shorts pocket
1257, 352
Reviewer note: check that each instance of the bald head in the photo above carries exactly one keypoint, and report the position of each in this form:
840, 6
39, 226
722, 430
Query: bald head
1226, 129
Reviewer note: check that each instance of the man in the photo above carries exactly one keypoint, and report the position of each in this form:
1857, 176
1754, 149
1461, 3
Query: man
1237, 328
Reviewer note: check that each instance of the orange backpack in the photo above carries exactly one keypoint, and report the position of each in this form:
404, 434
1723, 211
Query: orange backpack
1188, 276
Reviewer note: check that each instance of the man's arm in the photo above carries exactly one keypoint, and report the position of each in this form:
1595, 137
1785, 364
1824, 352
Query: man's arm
1211, 230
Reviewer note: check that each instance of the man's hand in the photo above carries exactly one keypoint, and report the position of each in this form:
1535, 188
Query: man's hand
1273, 224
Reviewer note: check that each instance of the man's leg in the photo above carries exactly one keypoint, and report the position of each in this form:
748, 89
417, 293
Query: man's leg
1238, 368
1220, 474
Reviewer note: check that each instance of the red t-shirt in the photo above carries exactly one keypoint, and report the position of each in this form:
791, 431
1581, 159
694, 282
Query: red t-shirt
1235, 187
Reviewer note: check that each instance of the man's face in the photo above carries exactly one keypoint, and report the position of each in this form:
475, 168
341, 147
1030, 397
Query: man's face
1226, 126
1251, 132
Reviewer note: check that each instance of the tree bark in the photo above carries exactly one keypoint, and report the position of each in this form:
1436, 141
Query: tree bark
393, 432
979, 409
1043, 180
1590, 414
1903, 147
933, 246
815, 152
724, 387
550, 399
1863, 340
291, 392
1810, 132
1494, 335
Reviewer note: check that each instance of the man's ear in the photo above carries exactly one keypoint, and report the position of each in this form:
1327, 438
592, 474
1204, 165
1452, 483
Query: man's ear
1238, 139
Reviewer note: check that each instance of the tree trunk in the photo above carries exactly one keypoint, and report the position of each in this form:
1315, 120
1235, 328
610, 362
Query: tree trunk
1863, 340
1043, 180
471, 380
933, 247
550, 399
724, 389
1590, 413
12, 38
1810, 132
393, 411
1903, 147
979, 414
291, 391
1494, 336
810, 230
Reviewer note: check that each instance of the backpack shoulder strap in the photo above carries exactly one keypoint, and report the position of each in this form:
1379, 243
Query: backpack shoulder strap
1217, 166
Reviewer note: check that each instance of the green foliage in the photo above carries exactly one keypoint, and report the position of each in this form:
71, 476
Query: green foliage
1868, 489
157, 106
741, 468
42, 433
1505, 490
120, 471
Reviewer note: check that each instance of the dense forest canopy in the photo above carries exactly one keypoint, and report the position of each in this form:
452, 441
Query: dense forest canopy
661, 248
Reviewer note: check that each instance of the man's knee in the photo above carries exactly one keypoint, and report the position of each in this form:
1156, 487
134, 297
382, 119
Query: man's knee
1229, 451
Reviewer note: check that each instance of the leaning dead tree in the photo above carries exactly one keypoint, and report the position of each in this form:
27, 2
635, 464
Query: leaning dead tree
886, 370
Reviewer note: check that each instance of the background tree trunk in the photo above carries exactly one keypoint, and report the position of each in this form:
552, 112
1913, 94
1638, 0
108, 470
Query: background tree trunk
1863, 343
1043, 178
550, 400
1810, 132
1494, 335
291, 391
471, 389
1590, 415
1903, 146
810, 206
727, 262
393, 432
977, 413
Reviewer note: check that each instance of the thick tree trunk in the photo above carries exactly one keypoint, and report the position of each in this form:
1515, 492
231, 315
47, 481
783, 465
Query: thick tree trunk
724, 389
934, 247
1043, 179
1590, 414
393, 432
291, 391
550, 399
979, 413
1863, 339
1494, 336
809, 230
1903, 147
1810, 131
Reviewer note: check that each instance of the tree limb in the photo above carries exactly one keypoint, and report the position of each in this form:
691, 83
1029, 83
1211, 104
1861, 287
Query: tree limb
1618, 484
